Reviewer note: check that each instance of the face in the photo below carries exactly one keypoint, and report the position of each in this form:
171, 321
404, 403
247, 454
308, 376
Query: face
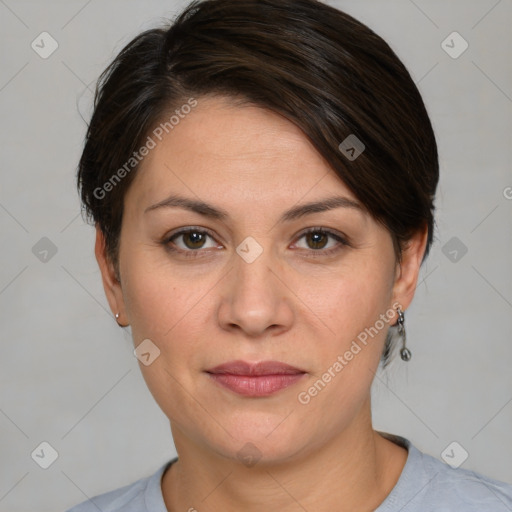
245, 279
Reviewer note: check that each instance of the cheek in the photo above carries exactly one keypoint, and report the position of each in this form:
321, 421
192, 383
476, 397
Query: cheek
355, 309
150, 311
350, 301
167, 307
157, 297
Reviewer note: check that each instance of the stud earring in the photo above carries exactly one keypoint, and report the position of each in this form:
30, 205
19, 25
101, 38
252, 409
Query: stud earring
405, 353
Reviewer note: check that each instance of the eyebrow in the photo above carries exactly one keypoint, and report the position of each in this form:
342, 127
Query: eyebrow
213, 212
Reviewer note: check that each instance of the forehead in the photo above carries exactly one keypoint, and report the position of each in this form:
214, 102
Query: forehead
225, 151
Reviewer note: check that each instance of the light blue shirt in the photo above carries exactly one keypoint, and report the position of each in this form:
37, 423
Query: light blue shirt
425, 485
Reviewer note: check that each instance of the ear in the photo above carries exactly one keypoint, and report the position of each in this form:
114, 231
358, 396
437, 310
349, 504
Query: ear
408, 271
111, 285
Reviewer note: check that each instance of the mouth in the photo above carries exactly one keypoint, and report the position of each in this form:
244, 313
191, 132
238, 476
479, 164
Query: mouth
255, 379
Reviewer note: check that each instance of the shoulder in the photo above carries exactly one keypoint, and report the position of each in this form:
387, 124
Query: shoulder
143, 495
427, 484
464, 487
128, 498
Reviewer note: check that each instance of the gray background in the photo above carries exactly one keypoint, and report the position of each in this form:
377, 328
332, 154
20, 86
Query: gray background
67, 371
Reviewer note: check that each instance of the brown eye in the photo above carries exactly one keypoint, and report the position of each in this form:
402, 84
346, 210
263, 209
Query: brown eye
318, 239
194, 239
189, 241
321, 242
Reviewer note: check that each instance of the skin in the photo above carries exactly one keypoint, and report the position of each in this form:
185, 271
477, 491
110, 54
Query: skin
294, 303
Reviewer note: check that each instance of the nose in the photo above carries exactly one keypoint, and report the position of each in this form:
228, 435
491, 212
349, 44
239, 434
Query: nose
255, 297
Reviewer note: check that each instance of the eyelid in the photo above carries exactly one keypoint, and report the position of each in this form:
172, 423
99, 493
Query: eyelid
343, 241
339, 237
188, 229
320, 229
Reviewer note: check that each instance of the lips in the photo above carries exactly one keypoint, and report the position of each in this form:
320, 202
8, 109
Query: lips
251, 369
255, 379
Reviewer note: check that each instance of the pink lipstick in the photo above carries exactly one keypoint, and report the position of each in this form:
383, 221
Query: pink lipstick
255, 379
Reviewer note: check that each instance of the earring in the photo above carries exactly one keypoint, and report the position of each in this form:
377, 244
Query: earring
405, 353
117, 317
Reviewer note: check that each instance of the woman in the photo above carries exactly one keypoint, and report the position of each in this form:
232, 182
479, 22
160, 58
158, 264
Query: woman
261, 175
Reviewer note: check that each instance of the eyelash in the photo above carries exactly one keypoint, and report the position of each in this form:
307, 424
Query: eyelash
196, 253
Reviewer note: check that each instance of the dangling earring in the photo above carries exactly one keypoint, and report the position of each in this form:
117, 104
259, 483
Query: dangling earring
405, 353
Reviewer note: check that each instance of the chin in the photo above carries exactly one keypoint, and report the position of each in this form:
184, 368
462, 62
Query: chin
258, 440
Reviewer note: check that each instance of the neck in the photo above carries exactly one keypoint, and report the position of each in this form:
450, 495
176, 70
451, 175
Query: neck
355, 470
